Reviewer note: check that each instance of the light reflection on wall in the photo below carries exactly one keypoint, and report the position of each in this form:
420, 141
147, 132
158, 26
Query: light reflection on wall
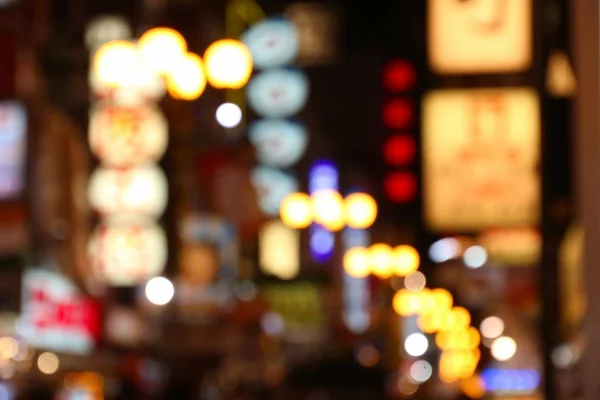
323, 175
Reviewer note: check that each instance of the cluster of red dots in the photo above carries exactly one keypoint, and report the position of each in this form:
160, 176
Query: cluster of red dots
398, 115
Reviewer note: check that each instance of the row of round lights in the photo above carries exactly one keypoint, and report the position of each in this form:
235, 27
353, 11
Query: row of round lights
329, 209
381, 260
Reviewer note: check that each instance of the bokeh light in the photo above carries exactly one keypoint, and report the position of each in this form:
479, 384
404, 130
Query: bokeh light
431, 322
456, 318
162, 49
421, 371
444, 250
229, 115
399, 76
48, 363
361, 210
405, 260
328, 208
416, 344
159, 291
187, 80
399, 150
415, 281
400, 187
407, 303
491, 327
296, 211
357, 262
9, 347
473, 387
115, 63
368, 356
228, 64
381, 259
398, 114
504, 348
475, 257
442, 299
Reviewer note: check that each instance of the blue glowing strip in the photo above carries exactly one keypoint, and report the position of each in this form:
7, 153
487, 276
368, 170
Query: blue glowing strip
356, 314
511, 380
323, 175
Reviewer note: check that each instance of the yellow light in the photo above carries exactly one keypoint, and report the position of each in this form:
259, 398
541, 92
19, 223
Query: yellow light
442, 299
426, 302
473, 387
162, 50
116, 63
228, 64
407, 303
457, 318
328, 208
381, 260
361, 210
187, 80
431, 322
461, 339
356, 262
48, 363
406, 260
458, 364
296, 211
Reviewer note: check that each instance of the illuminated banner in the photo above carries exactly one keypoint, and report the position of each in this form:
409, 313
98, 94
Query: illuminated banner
483, 36
13, 125
481, 154
56, 315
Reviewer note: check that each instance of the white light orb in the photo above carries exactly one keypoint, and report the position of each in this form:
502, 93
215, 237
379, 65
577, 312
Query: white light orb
125, 137
416, 344
278, 93
273, 43
491, 327
272, 186
159, 291
421, 371
127, 253
48, 363
229, 115
141, 191
475, 257
106, 28
444, 250
279, 143
504, 348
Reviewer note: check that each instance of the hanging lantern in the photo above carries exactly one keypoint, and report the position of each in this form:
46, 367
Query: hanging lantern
272, 187
278, 93
228, 64
128, 253
136, 192
279, 143
273, 43
124, 137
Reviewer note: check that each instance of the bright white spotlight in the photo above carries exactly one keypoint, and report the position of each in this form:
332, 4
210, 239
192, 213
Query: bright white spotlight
416, 344
229, 115
159, 291
475, 257
504, 348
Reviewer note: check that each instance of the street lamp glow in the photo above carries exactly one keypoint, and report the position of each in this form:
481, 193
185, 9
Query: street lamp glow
229, 115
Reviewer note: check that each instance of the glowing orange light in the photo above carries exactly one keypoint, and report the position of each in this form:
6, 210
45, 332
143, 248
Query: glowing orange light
473, 387
356, 262
406, 260
228, 64
400, 187
442, 298
361, 210
406, 303
399, 75
296, 211
187, 80
431, 322
328, 208
116, 63
381, 260
161, 49
400, 150
398, 114
457, 318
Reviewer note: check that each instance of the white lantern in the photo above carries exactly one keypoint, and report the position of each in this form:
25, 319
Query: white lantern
272, 186
140, 191
125, 137
280, 143
128, 253
278, 93
273, 43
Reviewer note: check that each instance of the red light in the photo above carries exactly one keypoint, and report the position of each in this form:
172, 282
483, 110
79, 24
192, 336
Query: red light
400, 150
398, 114
399, 75
400, 187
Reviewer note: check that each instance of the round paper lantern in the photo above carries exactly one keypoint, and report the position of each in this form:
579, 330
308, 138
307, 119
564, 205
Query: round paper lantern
140, 191
228, 64
273, 43
124, 137
296, 211
187, 80
161, 49
272, 186
279, 143
128, 253
361, 210
278, 93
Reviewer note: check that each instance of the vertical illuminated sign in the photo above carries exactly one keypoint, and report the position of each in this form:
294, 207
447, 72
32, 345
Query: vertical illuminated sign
356, 293
323, 175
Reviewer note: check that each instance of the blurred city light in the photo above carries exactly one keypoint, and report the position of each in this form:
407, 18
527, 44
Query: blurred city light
273, 43
399, 76
9, 348
159, 291
473, 387
491, 327
279, 250
116, 63
357, 262
456, 318
405, 260
400, 150
381, 258
400, 187
296, 210
475, 257
368, 356
48, 363
321, 242
442, 299
431, 322
421, 371
229, 115
106, 28
328, 209
278, 93
361, 210
187, 79
323, 175
511, 381
444, 250
162, 50
279, 142
228, 64
416, 344
415, 281
398, 114
504, 348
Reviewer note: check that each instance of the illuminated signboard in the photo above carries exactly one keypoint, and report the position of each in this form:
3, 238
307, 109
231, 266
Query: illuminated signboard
481, 155
13, 125
479, 36
56, 315
279, 250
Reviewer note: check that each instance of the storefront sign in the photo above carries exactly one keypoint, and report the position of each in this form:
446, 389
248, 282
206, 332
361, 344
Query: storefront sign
481, 152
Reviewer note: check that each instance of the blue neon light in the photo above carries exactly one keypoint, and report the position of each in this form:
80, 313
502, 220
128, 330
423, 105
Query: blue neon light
323, 175
511, 380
